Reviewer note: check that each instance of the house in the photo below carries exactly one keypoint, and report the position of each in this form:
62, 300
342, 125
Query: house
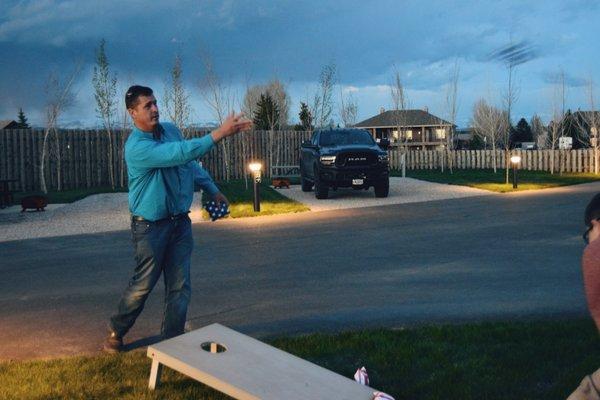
8, 124
462, 138
417, 129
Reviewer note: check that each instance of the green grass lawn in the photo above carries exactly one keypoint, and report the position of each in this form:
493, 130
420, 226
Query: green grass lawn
272, 202
511, 360
488, 180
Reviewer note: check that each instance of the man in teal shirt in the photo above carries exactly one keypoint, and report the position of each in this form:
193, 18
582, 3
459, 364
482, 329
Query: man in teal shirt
162, 171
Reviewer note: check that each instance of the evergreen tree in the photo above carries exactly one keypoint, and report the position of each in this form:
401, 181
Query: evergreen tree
22, 120
476, 143
266, 117
521, 133
305, 117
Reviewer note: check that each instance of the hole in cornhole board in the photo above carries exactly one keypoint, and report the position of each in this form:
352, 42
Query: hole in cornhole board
248, 369
213, 347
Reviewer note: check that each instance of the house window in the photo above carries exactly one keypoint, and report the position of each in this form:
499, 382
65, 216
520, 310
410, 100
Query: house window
440, 134
395, 135
408, 134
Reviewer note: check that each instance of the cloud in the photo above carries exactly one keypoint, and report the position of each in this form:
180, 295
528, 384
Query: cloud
293, 40
557, 77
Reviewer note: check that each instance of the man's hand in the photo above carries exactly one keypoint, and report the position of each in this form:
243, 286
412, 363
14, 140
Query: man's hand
220, 198
233, 124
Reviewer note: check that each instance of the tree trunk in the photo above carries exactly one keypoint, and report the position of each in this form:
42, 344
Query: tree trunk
58, 163
507, 164
43, 158
225, 160
111, 170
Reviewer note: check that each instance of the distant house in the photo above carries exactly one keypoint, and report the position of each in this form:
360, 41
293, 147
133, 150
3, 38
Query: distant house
8, 124
417, 129
462, 138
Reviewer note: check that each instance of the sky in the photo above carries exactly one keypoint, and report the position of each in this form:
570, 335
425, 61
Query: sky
252, 42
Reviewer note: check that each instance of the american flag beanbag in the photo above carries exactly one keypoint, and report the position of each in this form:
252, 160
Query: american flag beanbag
361, 376
216, 210
382, 396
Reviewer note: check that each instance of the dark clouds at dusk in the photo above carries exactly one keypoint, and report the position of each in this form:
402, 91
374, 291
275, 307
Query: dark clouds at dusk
251, 42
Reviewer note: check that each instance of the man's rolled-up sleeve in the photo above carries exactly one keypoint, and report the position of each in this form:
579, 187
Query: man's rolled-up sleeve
148, 153
203, 179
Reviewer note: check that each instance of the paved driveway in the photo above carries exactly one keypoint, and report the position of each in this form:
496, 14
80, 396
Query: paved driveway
109, 212
402, 191
475, 258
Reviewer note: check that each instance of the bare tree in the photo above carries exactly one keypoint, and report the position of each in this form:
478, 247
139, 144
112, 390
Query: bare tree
278, 92
251, 99
513, 55
588, 122
220, 100
400, 105
105, 90
556, 124
322, 106
348, 109
490, 123
177, 99
59, 96
124, 123
538, 131
452, 107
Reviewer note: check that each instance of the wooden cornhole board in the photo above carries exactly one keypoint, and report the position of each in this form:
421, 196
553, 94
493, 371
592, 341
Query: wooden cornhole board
249, 369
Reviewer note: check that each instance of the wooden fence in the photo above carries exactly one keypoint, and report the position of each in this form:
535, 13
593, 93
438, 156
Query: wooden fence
79, 158
581, 160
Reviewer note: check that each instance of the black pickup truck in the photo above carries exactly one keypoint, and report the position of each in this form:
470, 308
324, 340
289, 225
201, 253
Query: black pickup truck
335, 158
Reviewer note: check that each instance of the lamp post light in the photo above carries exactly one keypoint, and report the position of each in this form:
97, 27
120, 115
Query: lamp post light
255, 167
515, 160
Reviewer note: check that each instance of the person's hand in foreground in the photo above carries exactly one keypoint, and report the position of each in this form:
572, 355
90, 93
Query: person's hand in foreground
234, 123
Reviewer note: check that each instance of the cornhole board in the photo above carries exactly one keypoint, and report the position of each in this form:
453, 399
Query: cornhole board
248, 369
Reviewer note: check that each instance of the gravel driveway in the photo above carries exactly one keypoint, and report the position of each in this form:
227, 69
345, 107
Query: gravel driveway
402, 190
109, 212
95, 214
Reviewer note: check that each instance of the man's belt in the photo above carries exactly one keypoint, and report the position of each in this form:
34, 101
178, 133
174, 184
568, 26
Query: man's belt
174, 217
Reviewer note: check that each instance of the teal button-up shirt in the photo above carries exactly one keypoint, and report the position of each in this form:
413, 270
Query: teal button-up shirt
162, 171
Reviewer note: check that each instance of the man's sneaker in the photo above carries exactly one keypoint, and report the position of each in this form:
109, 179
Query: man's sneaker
113, 343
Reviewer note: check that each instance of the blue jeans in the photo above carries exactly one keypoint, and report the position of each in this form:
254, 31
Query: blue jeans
161, 247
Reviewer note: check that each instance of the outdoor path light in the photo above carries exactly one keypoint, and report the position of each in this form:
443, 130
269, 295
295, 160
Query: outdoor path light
255, 167
515, 160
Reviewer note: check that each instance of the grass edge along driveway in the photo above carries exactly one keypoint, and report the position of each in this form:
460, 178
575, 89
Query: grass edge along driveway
492, 360
272, 202
488, 180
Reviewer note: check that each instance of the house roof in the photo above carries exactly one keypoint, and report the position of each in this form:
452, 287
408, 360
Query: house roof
8, 124
587, 114
407, 117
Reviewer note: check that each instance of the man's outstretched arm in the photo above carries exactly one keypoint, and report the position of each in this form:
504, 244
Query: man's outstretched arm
147, 153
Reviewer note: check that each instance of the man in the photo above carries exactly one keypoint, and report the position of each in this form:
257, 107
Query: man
589, 389
162, 172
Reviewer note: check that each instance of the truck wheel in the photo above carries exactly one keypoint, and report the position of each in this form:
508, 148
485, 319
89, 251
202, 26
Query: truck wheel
306, 184
321, 188
382, 188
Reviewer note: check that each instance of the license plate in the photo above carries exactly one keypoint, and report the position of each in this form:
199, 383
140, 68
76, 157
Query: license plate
358, 181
